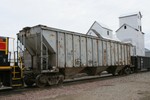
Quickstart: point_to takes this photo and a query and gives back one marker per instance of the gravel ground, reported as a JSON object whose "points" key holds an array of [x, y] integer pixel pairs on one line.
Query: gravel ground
{"points": [[132, 87]]}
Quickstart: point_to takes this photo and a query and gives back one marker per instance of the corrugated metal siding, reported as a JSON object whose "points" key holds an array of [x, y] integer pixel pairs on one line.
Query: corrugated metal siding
{"points": [[89, 51], [128, 54], [95, 53], [112, 54], [69, 50], [83, 52], [125, 55], [61, 50], [100, 52], [108, 54], [104, 53], [116, 54], [76, 51]]}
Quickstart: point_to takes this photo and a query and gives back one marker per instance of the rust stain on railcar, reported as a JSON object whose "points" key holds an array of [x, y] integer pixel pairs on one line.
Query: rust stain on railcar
{"points": [[90, 62], [52, 35], [59, 45], [77, 61], [105, 56], [120, 63]]}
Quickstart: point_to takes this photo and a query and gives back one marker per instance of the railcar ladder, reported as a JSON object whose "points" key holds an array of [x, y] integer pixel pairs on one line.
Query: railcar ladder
{"points": [[17, 74]]}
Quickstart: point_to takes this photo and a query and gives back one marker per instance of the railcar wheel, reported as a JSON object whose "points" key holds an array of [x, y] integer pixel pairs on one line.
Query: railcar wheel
{"points": [[127, 70], [28, 79], [53, 80], [120, 72], [0, 83], [41, 80], [50, 80], [114, 73], [61, 79]]}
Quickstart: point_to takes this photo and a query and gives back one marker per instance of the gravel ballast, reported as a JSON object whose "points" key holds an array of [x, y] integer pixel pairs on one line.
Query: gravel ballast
{"points": [[132, 87]]}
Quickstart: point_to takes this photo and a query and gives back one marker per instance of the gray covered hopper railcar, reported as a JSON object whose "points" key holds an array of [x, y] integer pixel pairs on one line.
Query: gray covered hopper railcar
{"points": [[57, 54]]}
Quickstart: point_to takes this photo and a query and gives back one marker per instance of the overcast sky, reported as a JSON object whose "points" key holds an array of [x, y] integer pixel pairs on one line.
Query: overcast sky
{"points": [[73, 15]]}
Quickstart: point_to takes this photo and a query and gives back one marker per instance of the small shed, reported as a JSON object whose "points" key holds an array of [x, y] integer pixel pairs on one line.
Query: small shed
{"points": [[147, 52]]}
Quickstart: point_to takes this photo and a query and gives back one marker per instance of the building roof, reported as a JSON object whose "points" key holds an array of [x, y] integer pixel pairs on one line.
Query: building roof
{"points": [[131, 14], [102, 25], [126, 25], [129, 26], [147, 50]]}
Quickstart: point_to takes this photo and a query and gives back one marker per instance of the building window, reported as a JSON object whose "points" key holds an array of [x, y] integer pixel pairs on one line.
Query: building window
{"points": [[140, 28], [107, 32], [125, 27]]}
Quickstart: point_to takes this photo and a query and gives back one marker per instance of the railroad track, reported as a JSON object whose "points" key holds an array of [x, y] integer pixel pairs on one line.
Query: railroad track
{"points": [[95, 78], [7, 91]]}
